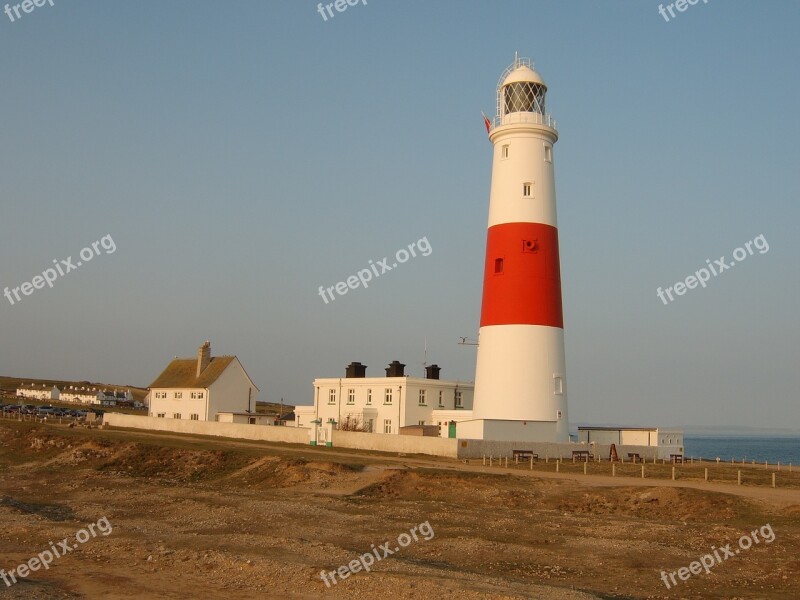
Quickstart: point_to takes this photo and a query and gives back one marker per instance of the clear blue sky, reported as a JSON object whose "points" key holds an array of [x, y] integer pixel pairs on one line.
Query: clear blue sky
{"points": [[242, 154]]}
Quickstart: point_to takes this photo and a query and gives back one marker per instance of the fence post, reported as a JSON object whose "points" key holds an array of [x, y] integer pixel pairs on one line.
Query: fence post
{"points": [[765, 465], [490, 460], [516, 458], [506, 462], [585, 465], [773, 479], [706, 475], [673, 473], [557, 461], [531, 462], [484, 460], [613, 469], [642, 470], [738, 478]]}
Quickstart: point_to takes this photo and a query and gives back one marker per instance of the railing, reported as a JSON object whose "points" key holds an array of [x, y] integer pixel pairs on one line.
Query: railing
{"points": [[525, 117]]}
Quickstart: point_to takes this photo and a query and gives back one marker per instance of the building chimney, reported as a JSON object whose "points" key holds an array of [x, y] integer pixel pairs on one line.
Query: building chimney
{"points": [[432, 372], [355, 370], [203, 357], [395, 369]]}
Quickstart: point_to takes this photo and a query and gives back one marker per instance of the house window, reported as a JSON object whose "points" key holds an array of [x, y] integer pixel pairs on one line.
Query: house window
{"points": [[387, 426], [197, 395], [194, 417], [527, 189], [422, 397], [331, 396], [351, 396], [369, 396], [458, 398], [387, 396], [251, 420], [548, 153], [498, 266], [422, 422], [161, 415], [368, 425], [178, 395], [441, 403], [558, 414], [159, 395], [505, 151], [558, 385], [176, 415]]}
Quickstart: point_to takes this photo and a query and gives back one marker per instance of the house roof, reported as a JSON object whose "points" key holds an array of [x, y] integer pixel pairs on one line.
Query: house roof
{"points": [[182, 373]]}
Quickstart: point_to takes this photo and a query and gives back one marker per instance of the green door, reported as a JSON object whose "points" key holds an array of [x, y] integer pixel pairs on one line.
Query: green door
{"points": [[451, 430]]}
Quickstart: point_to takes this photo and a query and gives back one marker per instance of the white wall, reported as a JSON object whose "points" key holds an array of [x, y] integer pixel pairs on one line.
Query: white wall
{"points": [[230, 392], [185, 405], [488, 429], [291, 435]]}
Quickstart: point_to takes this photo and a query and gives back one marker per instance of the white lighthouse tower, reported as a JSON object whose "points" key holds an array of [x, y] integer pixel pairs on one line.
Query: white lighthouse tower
{"points": [[520, 379]]}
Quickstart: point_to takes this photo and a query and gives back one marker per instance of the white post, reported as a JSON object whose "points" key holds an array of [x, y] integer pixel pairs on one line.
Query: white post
{"points": [[613, 469], [706, 475]]}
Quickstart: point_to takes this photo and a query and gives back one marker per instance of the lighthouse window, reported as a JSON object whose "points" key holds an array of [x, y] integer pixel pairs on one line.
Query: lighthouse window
{"points": [[548, 153], [505, 151], [498, 265], [527, 189], [558, 385]]}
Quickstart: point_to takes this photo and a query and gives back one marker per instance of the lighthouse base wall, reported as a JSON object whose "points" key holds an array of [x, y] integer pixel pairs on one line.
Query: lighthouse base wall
{"points": [[513, 431]]}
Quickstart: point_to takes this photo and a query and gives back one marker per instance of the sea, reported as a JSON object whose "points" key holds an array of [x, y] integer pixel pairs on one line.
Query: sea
{"points": [[783, 449]]}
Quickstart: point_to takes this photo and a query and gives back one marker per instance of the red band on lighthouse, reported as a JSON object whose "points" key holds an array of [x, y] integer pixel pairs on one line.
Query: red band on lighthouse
{"points": [[522, 277]]}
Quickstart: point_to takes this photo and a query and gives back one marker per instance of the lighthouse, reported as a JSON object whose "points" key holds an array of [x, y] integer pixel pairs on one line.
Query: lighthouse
{"points": [[520, 378]]}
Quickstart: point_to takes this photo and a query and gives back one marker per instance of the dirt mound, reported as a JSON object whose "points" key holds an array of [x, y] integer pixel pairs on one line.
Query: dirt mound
{"points": [[274, 472], [139, 460], [663, 503], [469, 488]]}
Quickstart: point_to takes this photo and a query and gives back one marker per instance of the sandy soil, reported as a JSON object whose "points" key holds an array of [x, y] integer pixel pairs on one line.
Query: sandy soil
{"points": [[200, 518]]}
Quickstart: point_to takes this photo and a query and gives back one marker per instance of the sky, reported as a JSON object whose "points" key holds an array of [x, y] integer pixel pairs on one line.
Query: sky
{"points": [[237, 156]]}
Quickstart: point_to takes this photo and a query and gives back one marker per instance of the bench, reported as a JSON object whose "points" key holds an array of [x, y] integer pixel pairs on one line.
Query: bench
{"points": [[634, 457], [524, 455], [582, 455], [676, 458]]}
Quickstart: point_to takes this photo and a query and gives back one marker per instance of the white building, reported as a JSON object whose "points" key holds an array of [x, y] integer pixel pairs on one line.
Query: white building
{"points": [[82, 395], [199, 389], [39, 392], [668, 441], [246, 418], [385, 404]]}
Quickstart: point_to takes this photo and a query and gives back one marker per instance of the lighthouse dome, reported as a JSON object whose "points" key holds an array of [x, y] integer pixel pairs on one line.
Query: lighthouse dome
{"points": [[523, 73]]}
